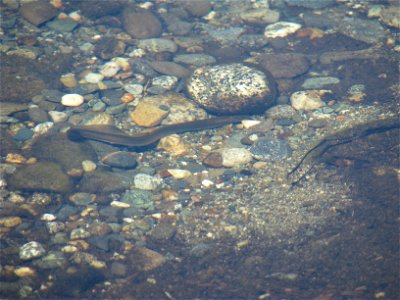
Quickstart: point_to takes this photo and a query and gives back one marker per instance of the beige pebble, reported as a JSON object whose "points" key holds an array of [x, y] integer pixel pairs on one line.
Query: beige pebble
{"points": [[173, 144], [179, 173], [119, 204], [72, 100], [10, 222], [88, 166], [307, 100], [110, 69], [24, 272], [250, 123], [94, 77], [148, 115], [69, 80]]}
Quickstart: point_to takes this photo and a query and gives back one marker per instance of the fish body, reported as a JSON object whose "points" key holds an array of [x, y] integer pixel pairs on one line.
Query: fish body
{"points": [[113, 135]]}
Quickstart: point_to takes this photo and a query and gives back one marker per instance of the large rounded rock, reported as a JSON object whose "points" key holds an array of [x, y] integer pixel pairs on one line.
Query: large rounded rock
{"points": [[42, 176], [232, 89], [141, 25]]}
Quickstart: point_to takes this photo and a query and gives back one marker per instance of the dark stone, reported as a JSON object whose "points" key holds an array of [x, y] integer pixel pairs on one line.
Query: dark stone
{"points": [[141, 25], [120, 159], [37, 115], [213, 159], [42, 176], [23, 134], [7, 143], [109, 47], [58, 148], [95, 9], [67, 211], [286, 65], [104, 182], [196, 8], [270, 148], [170, 68], [38, 12]]}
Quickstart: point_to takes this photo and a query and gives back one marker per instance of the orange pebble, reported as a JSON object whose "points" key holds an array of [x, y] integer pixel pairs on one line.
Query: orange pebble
{"points": [[126, 98], [340, 119]]}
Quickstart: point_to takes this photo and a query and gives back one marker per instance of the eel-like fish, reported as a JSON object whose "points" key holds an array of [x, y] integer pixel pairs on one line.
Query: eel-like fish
{"points": [[113, 135]]}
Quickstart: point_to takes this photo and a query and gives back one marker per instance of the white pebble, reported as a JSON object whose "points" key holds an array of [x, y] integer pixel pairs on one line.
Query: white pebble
{"points": [[207, 183], [250, 123], [58, 116], [281, 29], [48, 217], [93, 77], [232, 157], [72, 100], [88, 166], [307, 100], [179, 173], [119, 204], [134, 88], [147, 182], [110, 69]]}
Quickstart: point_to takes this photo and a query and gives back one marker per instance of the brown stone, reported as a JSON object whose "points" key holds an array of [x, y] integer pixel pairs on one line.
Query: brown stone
{"points": [[213, 159], [38, 12], [148, 115], [286, 65], [141, 25], [197, 8]]}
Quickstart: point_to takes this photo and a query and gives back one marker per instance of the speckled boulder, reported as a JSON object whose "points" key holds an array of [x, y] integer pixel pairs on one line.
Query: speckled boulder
{"points": [[232, 89]]}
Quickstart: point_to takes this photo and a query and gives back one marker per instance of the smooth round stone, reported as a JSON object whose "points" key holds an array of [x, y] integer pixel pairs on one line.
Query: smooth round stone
{"points": [[79, 233], [48, 217], [270, 148], [147, 182], [24, 272], [158, 45], [141, 25], [120, 159], [110, 69], [82, 198], [88, 166], [68, 80], [72, 100], [165, 81], [231, 88], [134, 88], [307, 100], [94, 77], [58, 116], [31, 250], [66, 25], [281, 29], [54, 259], [233, 157], [260, 16], [23, 134]]}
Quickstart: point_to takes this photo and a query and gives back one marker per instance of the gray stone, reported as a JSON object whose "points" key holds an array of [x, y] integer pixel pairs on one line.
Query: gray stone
{"points": [[31, 250], [54, 259], [269, 148], [66, 25], [198, 60], [141, 25]]}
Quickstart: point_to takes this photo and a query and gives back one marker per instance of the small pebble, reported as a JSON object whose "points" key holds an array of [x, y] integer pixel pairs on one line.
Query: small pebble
{"points": [[119, 204], [88, 166], [281, 29], [48, 217], [179, 173], [307, 100], [233, 157], [79, 233], [110, 69], [31, 250], [147, 182], [69, 80], [24, 272], [58, 116], [94, 77], [72, 100]]}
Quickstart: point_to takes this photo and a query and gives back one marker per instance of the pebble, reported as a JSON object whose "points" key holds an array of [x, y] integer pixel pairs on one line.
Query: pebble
{"points": [[79, 233], [110, 69], [284, 65], [31, 250], [316, 4], [197, 60], [10, 222], [69, 80], [138, 200], [58, 116], [148, 115], [157, 45], [66, 25], [147, 182], [170, 68], [72, 100], [119, 204], [24, 272], [260, 16], [281, 29], [37, 115], [54, 227], [134, 88], [82, 198], [88, 166], [173, 144], [198, 8], [234, 157], [38, 12], [319, 82], [165, 81], [118, 269], [120, 159], [93, 77], [307, 100], [270, 148], [179, 173], [48, 217], [54, 259], [231, 88], [23, 134], [147, 259], [141, 25]]}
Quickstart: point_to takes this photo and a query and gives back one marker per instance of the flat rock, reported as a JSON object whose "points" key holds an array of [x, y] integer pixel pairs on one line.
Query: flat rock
{"points": [[148, 115], [170, 68], [38, 12], [42, 176], [141, 25], [99, 182], [286, 65]]}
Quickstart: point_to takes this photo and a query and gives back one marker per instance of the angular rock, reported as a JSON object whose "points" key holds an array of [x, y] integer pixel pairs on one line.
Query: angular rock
{"points": [[38, 12]]}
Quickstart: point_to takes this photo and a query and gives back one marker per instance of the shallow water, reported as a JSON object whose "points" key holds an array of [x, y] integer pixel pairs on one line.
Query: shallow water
{"points": [[306, 207]]}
